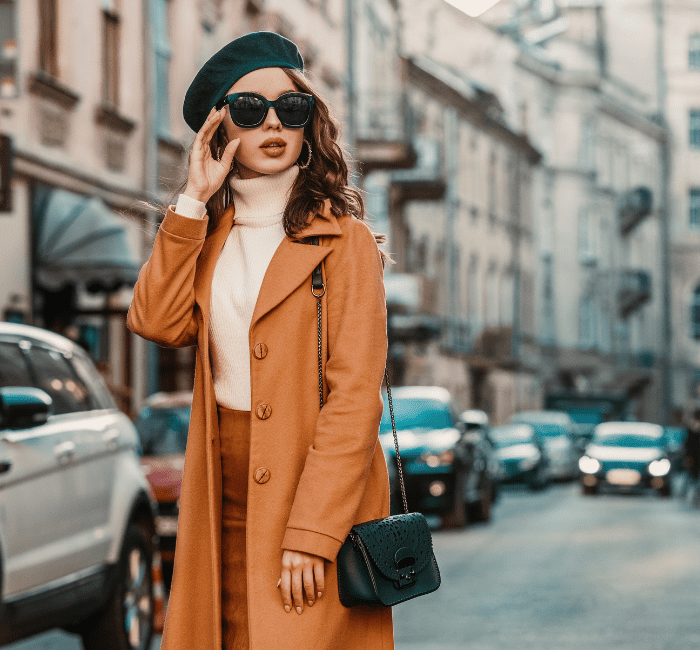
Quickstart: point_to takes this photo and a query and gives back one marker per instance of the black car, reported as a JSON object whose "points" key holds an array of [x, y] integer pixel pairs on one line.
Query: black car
{"points": [[522, 455], [444, 471], [626, 456]]}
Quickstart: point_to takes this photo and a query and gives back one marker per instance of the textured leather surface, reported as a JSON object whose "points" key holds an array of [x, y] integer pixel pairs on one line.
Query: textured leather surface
{"points": [[383, 537], [360, 579]]}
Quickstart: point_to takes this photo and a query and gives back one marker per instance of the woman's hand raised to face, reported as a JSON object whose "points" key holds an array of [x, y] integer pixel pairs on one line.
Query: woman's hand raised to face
{"points": [[206, 174], [302, 579]]}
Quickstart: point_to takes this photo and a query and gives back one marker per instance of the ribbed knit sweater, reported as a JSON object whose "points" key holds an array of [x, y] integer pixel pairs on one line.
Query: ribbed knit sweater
{"points": [[238, 276]]}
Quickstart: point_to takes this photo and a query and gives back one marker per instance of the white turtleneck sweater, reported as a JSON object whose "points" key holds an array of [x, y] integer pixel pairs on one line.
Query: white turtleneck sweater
{"points": [[238, 276]]}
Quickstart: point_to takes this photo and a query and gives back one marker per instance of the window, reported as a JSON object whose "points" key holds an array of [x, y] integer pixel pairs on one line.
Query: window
{"points": [[100, 396], [547, 301], [695, 314], [587, 240], [48, 37], [110, 58], [161, 45], [473, 298], [695, 128], [588, 335], [8, 49], [694, 206], [694, 51], [13, 366], [54, 374], [492, 298]]}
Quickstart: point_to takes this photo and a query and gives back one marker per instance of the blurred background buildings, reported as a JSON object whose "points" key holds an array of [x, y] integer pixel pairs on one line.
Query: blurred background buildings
{"points": [[522, 163]]}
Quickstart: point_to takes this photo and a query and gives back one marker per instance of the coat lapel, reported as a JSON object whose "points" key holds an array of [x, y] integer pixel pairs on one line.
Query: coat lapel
{"points": [[293, 262], [206, 263]]}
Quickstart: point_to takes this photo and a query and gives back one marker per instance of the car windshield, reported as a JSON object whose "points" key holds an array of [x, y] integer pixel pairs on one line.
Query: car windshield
{"points": [[510, 434], [163, 431], [416, 413], [627, 440]]}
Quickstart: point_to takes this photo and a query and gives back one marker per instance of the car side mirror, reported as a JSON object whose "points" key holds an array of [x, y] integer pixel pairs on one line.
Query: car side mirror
{"points": [[24, 407]]}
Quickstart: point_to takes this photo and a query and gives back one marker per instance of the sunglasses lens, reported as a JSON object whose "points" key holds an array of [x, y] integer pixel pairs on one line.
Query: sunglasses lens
{"points": [[293, 110], [247, 111]]}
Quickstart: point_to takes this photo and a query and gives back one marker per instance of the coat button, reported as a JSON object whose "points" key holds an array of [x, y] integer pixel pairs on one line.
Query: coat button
{"points": [[263, 411], [260, 351], [262, 475]]}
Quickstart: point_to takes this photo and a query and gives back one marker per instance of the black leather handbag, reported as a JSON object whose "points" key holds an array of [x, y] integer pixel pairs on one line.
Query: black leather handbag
{"points": [[383, 561]]}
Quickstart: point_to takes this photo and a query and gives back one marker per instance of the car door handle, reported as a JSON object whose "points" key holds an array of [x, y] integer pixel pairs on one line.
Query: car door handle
{"points": [[5, 466], [64, 451]]}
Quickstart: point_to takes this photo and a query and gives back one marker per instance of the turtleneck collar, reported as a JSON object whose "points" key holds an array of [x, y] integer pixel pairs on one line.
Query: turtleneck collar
{"points": [[261, 201]]}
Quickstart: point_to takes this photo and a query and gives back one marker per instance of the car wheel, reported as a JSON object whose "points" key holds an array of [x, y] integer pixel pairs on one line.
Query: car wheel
{"points": [[457, 517], [589, 490], [665, 490], [126, 623], [480, 511]]}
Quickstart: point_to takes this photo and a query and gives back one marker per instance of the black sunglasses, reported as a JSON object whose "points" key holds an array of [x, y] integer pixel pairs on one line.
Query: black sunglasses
{"points": [[249, 110]]}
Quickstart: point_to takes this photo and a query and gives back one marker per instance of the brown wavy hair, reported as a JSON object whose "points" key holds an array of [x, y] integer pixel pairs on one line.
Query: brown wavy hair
{"points": [[326, 177]]}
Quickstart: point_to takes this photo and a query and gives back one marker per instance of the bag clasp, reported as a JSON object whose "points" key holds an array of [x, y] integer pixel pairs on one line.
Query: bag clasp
{"points": [[405, 561]]}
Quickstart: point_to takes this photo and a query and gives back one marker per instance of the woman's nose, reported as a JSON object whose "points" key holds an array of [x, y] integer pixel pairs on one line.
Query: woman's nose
{"points": [[271, 120]]}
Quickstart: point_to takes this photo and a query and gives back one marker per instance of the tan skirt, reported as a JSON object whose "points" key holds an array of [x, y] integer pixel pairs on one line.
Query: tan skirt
{"points": [[234, 428]]}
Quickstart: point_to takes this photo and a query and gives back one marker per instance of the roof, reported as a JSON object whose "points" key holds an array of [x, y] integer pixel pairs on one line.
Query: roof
{"points": [[633, 428], [422, 392], [38, 334]]}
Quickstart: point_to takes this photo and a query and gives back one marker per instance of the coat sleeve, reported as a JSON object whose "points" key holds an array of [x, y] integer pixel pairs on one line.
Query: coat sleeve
{"points": [[162, 309], [338, 463]]}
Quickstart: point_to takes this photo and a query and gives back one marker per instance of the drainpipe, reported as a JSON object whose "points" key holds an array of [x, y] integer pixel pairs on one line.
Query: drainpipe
{"points": [[664, 221]]}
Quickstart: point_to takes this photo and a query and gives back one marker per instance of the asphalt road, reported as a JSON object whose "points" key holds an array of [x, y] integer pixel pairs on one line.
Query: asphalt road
{"points": [[560, 571], [553, 571]]}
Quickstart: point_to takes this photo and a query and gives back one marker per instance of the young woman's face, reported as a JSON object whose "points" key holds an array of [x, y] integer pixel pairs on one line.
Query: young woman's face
{"points": [[269, 148]]}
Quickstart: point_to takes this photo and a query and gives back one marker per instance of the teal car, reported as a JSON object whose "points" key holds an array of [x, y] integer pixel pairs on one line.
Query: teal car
{"points": [[444, 472]]}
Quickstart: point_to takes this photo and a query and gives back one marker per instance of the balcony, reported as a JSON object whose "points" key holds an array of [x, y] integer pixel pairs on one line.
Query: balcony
{"points": [[635, 206], [425, 181], [495, 343], [381, 138], [634, 291]]}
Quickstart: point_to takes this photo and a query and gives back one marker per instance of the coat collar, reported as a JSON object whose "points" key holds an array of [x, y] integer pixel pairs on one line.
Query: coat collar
{"points": [[291, 264]]}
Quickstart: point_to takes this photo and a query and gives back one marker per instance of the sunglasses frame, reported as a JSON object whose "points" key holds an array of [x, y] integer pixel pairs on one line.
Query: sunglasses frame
{"points": [[228, 99]]}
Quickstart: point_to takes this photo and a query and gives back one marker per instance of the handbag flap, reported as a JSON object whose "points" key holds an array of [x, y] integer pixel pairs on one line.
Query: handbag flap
{"points": [[394, 540]]}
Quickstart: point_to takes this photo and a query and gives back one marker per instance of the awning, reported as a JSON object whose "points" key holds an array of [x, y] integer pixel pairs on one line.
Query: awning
{"points": [[80, 240]]}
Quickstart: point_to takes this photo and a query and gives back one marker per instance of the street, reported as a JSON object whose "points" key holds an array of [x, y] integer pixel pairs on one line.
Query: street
{"points": [[554, 570], [559, 571]]}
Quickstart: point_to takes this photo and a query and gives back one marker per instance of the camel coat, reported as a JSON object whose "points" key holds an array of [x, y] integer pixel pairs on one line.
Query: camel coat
{"points": [[325, 470]]}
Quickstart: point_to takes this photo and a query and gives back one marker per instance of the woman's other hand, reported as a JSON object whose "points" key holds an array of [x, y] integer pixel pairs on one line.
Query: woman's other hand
{"points": [[302, 579], [206, 174]]}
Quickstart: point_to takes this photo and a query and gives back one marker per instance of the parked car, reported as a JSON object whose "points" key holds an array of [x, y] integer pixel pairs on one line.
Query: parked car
{"points": [[625, 456], [77, 529], [162, 425], [522, 455], [556, 431], [475, 424], [443, 472]]}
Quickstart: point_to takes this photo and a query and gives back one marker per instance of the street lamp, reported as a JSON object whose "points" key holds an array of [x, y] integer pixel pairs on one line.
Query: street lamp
{"points": [[473, 7]]}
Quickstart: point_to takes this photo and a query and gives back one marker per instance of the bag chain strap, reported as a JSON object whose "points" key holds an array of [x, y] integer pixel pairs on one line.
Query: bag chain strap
{"points": [[318, 289]]}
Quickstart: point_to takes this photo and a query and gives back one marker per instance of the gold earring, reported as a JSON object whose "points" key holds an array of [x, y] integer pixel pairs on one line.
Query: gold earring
{"points": [[308, 160]]}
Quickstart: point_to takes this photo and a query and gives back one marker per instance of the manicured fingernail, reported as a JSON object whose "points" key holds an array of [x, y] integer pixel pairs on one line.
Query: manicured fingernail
{"points": [[280, 582], [287, 609], [311, 602], [320, 594], [298, 610]]}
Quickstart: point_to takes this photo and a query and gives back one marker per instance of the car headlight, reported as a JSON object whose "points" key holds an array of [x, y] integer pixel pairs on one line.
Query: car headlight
{"points": [[588, 465], [438, 460], [660, 467]]}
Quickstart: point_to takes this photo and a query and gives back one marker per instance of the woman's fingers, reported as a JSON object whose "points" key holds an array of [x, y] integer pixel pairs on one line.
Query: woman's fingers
{"points": [[286, 589], [229, 153], [210, 125], [308, 579], [320, 575], [297, 592]]}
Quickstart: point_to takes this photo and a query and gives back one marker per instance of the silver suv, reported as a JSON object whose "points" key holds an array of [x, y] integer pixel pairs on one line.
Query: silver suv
{"points": [[77, 532]]}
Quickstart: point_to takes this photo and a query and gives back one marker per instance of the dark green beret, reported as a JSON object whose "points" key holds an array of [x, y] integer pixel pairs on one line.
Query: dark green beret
{"points": [[247, 53]]}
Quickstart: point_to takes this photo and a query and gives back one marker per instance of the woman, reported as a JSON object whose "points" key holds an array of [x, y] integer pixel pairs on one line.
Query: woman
{"points": [[272, 484]]}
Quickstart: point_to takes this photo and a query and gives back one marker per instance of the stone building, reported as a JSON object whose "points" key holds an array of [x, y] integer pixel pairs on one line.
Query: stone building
{"points": [[91, 100], [597, 306]]}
